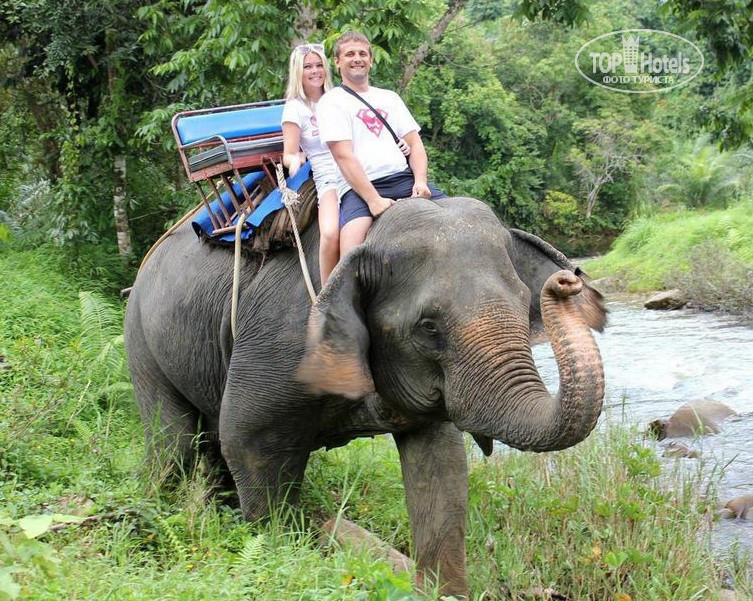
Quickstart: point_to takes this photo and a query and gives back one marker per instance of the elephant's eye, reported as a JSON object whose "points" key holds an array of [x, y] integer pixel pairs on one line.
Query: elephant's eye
{"points": [[429, 326], [428, 334]]}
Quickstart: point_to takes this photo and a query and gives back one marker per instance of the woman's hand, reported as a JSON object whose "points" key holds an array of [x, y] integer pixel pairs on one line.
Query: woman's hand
{"points": [[293, 162], [403, 146]]}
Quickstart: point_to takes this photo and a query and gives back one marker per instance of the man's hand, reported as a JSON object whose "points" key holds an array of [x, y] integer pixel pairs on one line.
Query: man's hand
{"points": [[421, 189], [403, 146], [380, 205]]}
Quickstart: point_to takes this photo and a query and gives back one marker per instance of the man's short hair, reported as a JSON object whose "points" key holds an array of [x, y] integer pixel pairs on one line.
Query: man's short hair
{"points": [[351, 36]]}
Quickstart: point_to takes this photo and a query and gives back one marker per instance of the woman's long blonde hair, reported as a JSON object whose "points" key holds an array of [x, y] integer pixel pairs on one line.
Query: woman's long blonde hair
{"points": [[295, 72]]}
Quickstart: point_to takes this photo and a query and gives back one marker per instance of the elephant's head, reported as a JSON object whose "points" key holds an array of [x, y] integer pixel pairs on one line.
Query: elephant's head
{"points": [[433, 313]]}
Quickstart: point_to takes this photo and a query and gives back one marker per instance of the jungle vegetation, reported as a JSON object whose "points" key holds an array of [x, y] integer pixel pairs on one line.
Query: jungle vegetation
{"points": [[87, 90]]}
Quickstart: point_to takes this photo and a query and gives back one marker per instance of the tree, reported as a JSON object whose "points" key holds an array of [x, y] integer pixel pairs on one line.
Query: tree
{"points": [[703, 177], [85, 57], [610, 149], [223, 51], [726, 28], [436, 33]]}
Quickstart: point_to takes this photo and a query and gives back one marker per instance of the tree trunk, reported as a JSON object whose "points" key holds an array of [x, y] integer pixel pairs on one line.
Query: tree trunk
{"points": [[120, 208], [46, 123], [305, 21], [119, 200], [437, 31]]}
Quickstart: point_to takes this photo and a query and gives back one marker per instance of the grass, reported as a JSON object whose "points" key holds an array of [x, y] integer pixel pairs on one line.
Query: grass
{"points": [[658, 251], [601, 521]]}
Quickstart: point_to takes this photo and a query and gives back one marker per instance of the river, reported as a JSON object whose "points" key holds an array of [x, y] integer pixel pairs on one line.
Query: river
{"points": [[654, 361]]}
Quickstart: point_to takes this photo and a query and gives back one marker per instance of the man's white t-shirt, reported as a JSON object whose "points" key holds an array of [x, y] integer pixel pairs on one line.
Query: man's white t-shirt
{"points": [[343, 117], [322, 164]]}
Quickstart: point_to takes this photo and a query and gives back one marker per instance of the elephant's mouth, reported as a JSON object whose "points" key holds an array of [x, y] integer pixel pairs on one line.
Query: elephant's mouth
{"points": [[485, 443], [436, 396]]}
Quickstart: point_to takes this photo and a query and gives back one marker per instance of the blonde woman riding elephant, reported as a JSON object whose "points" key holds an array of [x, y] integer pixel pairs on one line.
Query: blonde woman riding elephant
{"points": [[423, 331]]}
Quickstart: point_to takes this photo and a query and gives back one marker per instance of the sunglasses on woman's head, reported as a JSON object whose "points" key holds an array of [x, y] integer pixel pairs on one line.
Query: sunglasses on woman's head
{"points": [[306, 48]]}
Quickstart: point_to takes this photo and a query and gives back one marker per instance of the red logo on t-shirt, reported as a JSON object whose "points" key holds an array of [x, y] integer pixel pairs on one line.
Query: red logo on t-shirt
{"points": [[314, 128], [374, 125]]}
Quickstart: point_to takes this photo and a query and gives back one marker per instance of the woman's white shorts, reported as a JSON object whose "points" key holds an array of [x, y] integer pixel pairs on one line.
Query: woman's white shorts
{"points": [[325, 178]]}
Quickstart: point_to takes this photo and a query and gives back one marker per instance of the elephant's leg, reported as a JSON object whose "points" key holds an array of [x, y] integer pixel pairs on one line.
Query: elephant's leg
{"points": [[267, 466], [170, 420], [219, 473], [170, 423], [435, 474]]}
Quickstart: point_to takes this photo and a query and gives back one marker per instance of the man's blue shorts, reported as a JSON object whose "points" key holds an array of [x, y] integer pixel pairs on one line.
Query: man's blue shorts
{"points": [[397, 185]]}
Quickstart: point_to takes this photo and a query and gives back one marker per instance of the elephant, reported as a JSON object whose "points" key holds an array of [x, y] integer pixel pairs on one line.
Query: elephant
{"points": [[423, 331], [694, 418]]}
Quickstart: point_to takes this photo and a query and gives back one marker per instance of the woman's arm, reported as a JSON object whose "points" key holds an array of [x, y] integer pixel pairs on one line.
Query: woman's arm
{"points": [[292, 157]]}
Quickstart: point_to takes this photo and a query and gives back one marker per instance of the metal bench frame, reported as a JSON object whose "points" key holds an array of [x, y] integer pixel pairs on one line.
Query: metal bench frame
{"points": [[227, 159]]}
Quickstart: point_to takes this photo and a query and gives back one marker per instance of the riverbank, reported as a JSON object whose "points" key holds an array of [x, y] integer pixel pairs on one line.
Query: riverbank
{"points": [[599, 521], [708, 256]]}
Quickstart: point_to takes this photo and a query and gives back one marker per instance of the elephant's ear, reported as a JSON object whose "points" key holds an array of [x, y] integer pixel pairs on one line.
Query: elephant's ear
{"points": [[337, 342], [534, 261]]}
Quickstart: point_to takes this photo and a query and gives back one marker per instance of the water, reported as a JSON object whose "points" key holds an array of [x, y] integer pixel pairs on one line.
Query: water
{"points": [[654, 361]]}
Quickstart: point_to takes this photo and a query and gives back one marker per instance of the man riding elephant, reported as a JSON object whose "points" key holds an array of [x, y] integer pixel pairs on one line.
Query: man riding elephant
{"points": [[364, 128], [423, 331]]}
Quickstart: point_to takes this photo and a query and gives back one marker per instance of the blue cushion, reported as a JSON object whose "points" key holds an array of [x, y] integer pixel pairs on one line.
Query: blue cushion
{"points": [[231, 124], [202, 225]]}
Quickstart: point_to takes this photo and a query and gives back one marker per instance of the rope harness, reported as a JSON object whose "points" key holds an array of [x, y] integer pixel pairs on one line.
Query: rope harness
{"points": [[290, 200]]}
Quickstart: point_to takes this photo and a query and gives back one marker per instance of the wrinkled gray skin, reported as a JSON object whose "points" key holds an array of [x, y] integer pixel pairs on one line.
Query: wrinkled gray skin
{"points": [[423, 331]]}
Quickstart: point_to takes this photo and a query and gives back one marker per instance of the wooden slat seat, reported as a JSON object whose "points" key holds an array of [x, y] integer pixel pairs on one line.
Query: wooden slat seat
{"points": [[216, 140], [220, 146], [238, 154]]}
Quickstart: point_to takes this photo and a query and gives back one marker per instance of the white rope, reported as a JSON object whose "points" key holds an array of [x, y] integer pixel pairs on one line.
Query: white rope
{"points": [[237, 272], [290, 200]]}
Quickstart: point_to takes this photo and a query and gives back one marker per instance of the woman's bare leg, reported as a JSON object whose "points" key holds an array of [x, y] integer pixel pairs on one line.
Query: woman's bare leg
{"points": [[329, 234]]}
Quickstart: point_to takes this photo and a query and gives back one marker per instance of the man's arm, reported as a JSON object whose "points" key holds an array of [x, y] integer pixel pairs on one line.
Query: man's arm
{"points": [[352, 170], [419, 164]]}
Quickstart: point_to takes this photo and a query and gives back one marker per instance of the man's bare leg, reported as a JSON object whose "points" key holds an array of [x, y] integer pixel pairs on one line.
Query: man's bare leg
{"points": [[354, 233]]}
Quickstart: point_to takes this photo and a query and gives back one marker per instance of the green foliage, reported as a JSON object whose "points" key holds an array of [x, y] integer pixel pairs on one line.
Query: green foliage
{"points": [[725, 24], [482, 142], [702, 177], [22, 556], [566, 12], [562, 219], [561, 211], [653, 250], [64, 453], [79, 81], [217, 52], [716, 280], [102, 339], [511, 129], [589, 523]]}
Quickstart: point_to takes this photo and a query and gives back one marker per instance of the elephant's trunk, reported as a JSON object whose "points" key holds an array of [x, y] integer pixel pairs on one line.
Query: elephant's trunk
{"points": [[509, 402]]}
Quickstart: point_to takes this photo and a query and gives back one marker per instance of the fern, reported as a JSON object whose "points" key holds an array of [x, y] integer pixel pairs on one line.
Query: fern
{"points": [[83, 430], [252, 554], [172, 539], [102, 339]]}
